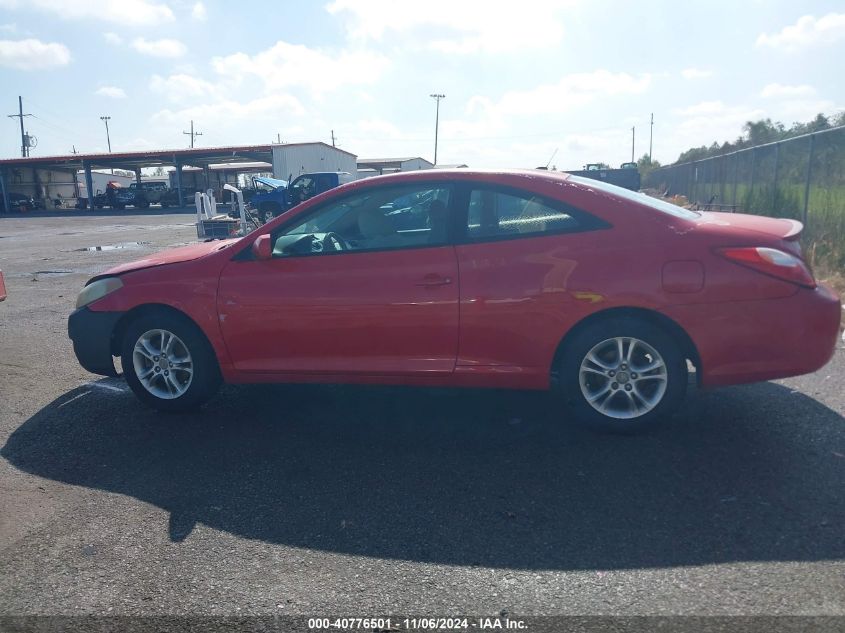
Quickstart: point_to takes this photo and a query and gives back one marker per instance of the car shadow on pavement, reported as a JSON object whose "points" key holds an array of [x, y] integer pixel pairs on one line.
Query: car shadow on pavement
{"points": [[460, 477]]}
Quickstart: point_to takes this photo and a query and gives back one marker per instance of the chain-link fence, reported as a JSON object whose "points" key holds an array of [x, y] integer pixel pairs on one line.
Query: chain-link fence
{"points": [[801, 178]]}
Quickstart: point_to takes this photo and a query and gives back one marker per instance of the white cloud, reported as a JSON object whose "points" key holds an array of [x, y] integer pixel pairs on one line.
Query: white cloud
{"points": [[803, 110], [808, 30], [709, 108], [285, 65], [696, 73], [31, 54], [139, 143], [475, 25], [230, 115], [112, 92], [575, 90], [705, 122], [184, 87], [199, 12], [159, 48], [113, 38], [125, 12], [776, 90]]}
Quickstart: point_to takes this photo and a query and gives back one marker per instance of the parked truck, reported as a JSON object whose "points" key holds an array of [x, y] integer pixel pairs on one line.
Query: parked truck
{"points": [[273, 197], [627, 176], [140, 196]]}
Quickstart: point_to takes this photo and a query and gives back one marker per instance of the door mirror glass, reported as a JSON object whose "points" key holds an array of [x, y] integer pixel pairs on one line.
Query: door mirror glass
{"points": [[262, 248]]}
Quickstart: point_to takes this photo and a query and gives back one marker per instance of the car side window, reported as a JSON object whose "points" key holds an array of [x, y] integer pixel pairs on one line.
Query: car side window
{"points": [[495, 214], [412, 216], [324, 183]]}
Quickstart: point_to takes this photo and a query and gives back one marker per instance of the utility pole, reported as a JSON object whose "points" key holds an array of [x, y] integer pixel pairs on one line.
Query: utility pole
{"points": [[650, 137], [106, 119], [633, 134], [192, 134], [20, 115], [279, 138], [437, 97], [333, 139]]}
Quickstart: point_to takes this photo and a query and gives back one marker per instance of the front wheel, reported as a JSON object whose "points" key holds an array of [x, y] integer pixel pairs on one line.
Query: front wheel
{"points": [[623, 375], [168, 362]]}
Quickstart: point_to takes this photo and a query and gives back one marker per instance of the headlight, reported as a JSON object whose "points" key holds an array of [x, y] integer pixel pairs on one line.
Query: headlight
{"points": [[98, 290]]}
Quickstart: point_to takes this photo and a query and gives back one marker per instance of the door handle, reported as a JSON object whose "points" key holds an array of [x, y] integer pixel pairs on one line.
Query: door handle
{"points": [[432, 280]]}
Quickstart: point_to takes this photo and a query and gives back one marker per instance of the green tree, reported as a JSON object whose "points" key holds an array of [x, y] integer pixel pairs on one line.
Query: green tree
{"points": [[646, 165]]}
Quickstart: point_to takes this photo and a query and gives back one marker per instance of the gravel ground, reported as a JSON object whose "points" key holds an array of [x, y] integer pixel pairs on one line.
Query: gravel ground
{"points": [[351, 500]]}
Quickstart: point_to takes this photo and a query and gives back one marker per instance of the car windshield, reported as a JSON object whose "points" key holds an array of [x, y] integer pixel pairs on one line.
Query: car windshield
{"points": [[640, 198]]}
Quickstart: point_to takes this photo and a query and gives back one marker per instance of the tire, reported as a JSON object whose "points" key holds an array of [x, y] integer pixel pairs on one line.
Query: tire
{"points": [[119, 207], [142, 204], [184, 388], [623, 400]]}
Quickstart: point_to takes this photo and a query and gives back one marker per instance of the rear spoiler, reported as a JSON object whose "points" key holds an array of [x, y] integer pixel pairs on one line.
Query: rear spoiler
{"points": [[794, 233]]}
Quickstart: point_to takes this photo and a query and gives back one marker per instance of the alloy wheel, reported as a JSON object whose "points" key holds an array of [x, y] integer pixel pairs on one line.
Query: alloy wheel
{"points": [[623, 377], [163, 364]]}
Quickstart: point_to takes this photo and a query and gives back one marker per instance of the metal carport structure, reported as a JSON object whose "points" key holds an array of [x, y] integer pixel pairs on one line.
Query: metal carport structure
{"points": [[133, 161]]}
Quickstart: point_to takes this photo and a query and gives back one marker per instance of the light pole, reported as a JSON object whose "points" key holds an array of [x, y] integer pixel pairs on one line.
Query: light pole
{"points": [[633, 136], [105, 119], [437, 97], [650, 137]]}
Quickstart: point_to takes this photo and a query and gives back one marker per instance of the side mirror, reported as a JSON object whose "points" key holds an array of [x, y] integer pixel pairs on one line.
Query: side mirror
{"points": [[262, 247]]}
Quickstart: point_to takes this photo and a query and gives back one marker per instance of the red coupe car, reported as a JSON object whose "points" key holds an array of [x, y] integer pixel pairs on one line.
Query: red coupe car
{"points": [[507, 279]]}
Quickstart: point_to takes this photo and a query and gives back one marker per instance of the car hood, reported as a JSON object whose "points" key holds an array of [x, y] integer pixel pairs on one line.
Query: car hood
{"points": [[171, 256]]}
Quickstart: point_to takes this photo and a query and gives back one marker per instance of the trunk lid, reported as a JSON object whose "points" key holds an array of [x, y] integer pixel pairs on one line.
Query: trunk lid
{"points": [[779, 232]]}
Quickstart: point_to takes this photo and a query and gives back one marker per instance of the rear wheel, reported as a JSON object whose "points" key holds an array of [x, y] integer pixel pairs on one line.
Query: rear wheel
{"points": [[623, 375], [168, 362]]}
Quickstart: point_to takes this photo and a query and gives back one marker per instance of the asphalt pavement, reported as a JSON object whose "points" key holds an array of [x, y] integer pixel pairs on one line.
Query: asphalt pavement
{"points": [[329, 500]]}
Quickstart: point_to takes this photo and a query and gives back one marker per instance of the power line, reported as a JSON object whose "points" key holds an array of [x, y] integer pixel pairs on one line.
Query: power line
{"points": [[55, 129]]}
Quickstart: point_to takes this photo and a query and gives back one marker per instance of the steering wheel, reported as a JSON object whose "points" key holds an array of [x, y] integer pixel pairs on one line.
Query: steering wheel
{"points": [[334, 242]]}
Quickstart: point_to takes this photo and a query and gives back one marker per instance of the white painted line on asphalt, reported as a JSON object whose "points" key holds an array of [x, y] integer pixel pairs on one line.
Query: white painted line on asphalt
{"points": [[77, 397], [102, 386]]}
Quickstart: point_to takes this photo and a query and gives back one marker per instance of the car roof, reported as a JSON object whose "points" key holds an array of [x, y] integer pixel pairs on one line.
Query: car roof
{"points": [[470, 174]]}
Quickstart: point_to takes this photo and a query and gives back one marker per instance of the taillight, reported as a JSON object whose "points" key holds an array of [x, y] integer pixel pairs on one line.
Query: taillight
{"points": [[772, 261]]}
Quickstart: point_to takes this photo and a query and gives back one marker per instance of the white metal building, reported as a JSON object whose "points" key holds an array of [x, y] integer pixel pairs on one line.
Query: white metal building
{"points": [[377, 166], [292, 159]]}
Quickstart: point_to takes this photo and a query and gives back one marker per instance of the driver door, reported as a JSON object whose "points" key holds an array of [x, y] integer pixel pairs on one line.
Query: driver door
{"points": [[338, 300]]}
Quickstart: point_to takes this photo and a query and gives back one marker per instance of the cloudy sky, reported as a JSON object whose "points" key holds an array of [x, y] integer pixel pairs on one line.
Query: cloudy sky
{"points": [[521, 79]]}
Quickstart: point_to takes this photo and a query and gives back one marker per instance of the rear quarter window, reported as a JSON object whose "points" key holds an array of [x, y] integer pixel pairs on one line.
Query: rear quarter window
{"points": [[657, 204], [495, 213]]}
